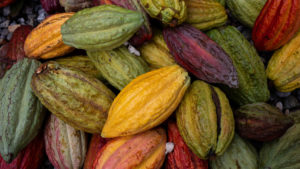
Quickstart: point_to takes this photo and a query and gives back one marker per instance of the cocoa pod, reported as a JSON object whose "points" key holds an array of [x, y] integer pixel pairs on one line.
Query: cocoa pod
{"points": [[261, 122], [239, 155], [205, 14], [222, 2], [181, 157], [150, 98], [205, 120], [96, 143], [72, 96], [295, 115], [3, 59], [21, 113], [4, 3], [276, 24], [144, 150], [75, 5], [145, 32], [118, 66], [65, 146], [283, 67], [201, 56], [102, 27], [51, 6]]}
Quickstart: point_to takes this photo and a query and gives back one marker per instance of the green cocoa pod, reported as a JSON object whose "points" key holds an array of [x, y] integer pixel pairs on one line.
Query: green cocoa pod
{"points": [[239, 155], [79, 100], [282, 153], [82, 63], [21, 113], [245, 11], [205, 120], [118, 66], [102, 27], [205, 14], [251, 72]]}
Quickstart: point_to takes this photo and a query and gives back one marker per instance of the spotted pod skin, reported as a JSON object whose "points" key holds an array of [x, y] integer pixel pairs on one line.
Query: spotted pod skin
{"points": [[51, 6], [102, 27], [21, 113], [146, 102], [65, 146], [45, 40], [96, 143], [170, 12], [200, 55], [118, 66], [276, 24], [72, 96], [181, 157], [143, 150], [75, 5], [205, 120], [239, 155]]}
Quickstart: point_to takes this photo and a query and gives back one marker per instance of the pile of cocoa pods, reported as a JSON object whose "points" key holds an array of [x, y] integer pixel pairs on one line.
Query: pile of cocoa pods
{"points": [[150, 84]]}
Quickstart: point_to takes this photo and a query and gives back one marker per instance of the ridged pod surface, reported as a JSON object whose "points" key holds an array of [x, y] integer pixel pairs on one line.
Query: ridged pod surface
{"points": [[65, 146], [239, 155], [222, 2], [245, 11], [276, 24], [284, 66], [261, 122], [156, 52], [205, 120], [96, 143], [144, 150], [205, 14], [21, 113], [200, 55], [102, 27], [45, 40], [3, 59], [170, 12], [118, 66], [75, 5], [145, 32], [51, 6], [80, 100], [250, 68], [282, 153], [146, 101], [181, 157]]}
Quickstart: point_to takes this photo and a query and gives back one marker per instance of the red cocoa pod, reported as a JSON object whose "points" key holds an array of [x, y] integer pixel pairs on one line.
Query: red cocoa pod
{"points": [[97, 142], [200, 55], [276, 24], [4, 3], [3, 60], [30, 157], [181, 157], [145, 32], [52, 6]]}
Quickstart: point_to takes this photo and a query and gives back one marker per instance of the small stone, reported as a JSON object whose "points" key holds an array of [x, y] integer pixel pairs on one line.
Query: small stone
{"points": [[283, 94], [4, 24], [291, 102], [279, 106], [31, 19], [41, 17], [28, 10], [4, 32], [21, 20], [2, 19], [12, 28], [133, 50], [6, 11], [169, 147]]}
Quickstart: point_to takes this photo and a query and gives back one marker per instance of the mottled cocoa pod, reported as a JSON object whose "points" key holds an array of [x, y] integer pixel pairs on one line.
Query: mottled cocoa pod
{"points": [[201, 56], [181, 157], [51, 6], [261, 122], [96, 143], [75, 5]]}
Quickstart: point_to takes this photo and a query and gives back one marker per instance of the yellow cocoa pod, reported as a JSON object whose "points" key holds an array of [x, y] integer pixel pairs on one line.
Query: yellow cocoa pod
{"points": [[45, 41], [284, 66], [146, 101]]}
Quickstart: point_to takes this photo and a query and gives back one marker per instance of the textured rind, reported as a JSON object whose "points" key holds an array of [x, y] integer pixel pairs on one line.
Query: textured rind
{"points": [[45, 41], [205, 120], [201, 56], [80, 100], [96, 143], [146, 101], [21, 113], [30, 157], [156, 52], [252, 77], [75, 5], [144, 150], [82, 63], [3, 59], [145, 32], [245, 11], [181, 157], [239, 155], [51, 6], [261, 122], [282, 153], [170, 12], [4, 3], [276, 24], [102, 27], [284, 66], [118, 66], [205, 14], [222, 2], [65, 146]]}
